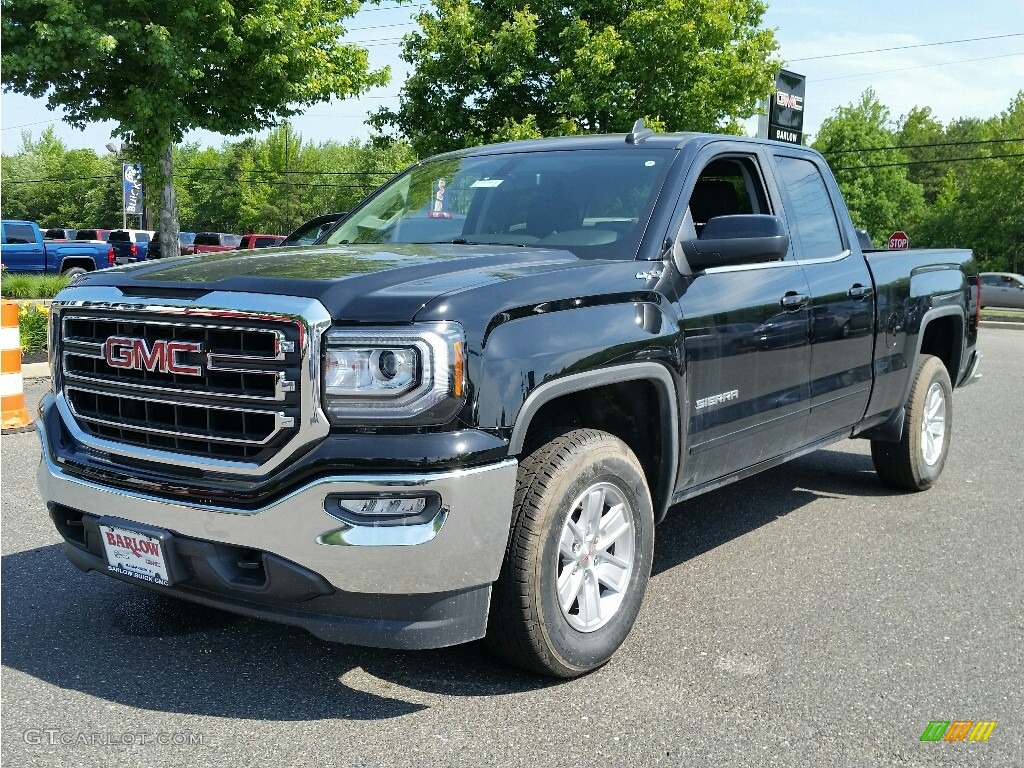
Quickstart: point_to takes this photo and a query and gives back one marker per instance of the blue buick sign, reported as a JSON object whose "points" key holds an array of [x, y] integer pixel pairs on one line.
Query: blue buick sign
{"points": [[132, 179]]}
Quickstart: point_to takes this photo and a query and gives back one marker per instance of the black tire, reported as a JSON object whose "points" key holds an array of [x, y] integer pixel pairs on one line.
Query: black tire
{"points": [[528, 625], [916, 461], [74, 271]]}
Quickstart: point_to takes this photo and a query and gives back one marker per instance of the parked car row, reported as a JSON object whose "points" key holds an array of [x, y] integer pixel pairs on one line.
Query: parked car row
{"points": [[212, 242], [63, 249]]}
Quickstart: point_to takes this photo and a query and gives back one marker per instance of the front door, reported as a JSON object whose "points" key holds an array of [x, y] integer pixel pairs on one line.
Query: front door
{"points": [[746, 331]]}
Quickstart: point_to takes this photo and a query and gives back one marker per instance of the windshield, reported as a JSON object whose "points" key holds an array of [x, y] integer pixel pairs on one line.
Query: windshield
{"points": [[595, 203]]}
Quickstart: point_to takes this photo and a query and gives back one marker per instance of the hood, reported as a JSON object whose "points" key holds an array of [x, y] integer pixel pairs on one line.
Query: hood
{"points": [[355, 283]]}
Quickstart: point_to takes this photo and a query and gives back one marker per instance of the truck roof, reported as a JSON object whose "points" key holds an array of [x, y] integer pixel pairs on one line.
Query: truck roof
{"points": [[614, 141]]}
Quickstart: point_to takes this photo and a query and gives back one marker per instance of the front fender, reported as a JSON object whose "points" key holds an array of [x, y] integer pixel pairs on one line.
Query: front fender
{"points": [[523, 354], [533, 361]]}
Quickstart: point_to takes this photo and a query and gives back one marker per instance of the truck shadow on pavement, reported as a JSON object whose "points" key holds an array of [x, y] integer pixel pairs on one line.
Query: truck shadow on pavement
{"points": [[701, 524], [128, 645]]}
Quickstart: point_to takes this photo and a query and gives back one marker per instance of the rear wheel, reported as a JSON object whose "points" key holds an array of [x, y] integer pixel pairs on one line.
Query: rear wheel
{"points": [[74, 271], [916, 461], [579, 556]]}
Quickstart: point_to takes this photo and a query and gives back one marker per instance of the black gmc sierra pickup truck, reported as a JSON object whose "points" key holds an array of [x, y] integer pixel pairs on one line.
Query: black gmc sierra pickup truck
{"points": [[462, 413]]}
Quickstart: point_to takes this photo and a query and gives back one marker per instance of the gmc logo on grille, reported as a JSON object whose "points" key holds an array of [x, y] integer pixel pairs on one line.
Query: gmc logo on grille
{"points": [[124, 352]]}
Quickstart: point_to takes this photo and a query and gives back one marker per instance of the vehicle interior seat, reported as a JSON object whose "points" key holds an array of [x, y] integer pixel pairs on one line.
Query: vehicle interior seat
{"points": [[710, 198]]}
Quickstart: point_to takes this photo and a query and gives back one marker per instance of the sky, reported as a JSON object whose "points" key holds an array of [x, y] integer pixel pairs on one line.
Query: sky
{"points": [[822, 40]]}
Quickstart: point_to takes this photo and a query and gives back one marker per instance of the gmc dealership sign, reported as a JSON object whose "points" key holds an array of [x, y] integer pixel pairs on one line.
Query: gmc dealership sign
{"points": [[786, 108]]}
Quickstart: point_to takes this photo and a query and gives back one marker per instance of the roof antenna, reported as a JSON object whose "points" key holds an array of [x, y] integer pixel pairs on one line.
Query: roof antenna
{"points": [[639, 133]]}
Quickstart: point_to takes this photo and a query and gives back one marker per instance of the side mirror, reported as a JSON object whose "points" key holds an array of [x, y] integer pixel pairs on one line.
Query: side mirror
{"points": [[739, 239]]}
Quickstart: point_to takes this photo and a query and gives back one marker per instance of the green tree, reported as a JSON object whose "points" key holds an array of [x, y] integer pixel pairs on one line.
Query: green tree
{"points": [[495, 69], [858, 140], [978, 204], [162, 69], [56, 186]]}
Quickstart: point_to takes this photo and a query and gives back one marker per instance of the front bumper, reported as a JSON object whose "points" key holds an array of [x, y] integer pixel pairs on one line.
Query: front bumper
{"points": [[421, 585]]}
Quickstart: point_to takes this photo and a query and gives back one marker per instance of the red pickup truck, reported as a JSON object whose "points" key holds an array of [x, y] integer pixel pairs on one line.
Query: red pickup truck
{"points": [[213, 242], [259, 241]]}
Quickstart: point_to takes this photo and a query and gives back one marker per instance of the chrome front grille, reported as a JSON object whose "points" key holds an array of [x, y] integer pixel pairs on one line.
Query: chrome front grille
{"points": [[244, 401], [213, 386]]}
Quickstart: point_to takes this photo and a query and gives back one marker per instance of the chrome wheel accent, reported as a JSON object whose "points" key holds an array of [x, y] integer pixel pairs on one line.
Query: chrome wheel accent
{"points": [[595, 557], [933, 424]]}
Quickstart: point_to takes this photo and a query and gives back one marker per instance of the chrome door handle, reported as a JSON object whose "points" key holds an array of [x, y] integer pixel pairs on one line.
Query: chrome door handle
{"points": [[793, 301], [858, 292]]}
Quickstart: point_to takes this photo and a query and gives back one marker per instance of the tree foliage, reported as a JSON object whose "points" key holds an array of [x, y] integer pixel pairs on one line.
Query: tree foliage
{"points": [[267, 185], [954, 185], [56, 186], [488, 70], [162, 69], [859, 141], [980, 205]]}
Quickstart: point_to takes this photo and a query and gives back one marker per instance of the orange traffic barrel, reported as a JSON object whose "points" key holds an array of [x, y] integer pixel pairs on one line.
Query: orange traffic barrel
{"points": [[12, 385]]}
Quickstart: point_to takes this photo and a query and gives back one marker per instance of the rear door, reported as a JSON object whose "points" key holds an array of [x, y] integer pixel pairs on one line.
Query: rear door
{"points": [[842, 304], [22, 248]]}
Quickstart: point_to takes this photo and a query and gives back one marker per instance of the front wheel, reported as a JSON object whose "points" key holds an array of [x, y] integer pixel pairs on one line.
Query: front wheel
{"points": [[579, 556], [916, 461]]}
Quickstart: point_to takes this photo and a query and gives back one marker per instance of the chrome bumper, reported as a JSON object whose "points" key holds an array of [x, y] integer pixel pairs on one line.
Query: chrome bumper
{"points": [[462, 546]]}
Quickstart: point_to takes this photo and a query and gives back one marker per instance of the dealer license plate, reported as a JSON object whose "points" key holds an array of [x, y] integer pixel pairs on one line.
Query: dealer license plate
{"points": [[130, 553]]}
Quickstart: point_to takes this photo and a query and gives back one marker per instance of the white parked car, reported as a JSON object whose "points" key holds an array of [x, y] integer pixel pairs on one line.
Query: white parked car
{"points": [[1002, 289]]}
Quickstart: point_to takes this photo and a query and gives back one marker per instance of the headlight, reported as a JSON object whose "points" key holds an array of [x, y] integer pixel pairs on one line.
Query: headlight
{"points": [[415, 375]]}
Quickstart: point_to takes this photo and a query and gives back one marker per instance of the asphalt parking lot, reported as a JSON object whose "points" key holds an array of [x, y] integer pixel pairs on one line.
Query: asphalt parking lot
{"points": [[804, 617]]}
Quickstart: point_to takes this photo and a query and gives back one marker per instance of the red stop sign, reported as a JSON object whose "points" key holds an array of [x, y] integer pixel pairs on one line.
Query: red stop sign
{"points": [[898, 241]]}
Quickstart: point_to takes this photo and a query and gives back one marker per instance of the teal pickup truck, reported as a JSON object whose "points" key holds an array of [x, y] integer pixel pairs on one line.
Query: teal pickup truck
{"points": [[23, 249]]}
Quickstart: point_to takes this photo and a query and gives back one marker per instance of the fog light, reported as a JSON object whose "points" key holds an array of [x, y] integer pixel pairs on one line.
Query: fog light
{"points": [[383, 507]]}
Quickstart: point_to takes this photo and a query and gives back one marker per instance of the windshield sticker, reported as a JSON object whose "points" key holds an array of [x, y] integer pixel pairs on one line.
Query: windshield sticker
{"points": [[486, 183], [437, 211]]}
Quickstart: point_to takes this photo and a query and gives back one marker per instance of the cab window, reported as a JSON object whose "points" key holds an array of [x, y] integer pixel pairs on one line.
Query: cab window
{"points": [[812, 219]]}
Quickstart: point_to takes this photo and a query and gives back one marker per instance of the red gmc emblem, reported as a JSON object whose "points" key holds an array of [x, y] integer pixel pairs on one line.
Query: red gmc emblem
{"points": [[124, 352]]}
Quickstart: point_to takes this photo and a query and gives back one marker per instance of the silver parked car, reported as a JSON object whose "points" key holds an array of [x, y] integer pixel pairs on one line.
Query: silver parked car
{"points": [[1002, 289]]}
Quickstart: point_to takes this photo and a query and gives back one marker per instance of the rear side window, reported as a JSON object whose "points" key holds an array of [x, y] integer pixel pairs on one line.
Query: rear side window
{"points": [[811, 216], [19, 234], [266, 242]]}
